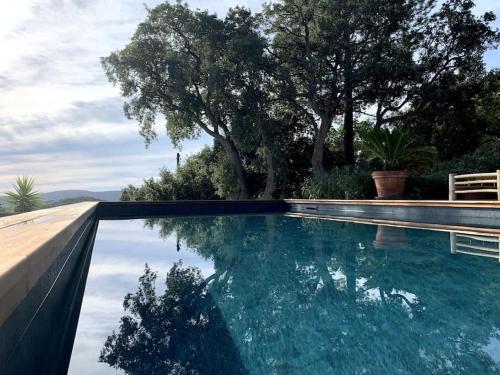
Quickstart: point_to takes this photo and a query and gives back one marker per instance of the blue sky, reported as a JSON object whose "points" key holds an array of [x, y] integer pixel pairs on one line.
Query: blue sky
{"points": [[60, 119]]}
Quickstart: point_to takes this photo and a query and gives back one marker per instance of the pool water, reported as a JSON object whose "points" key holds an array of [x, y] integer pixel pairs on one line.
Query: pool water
{"points": [[283, 295]]}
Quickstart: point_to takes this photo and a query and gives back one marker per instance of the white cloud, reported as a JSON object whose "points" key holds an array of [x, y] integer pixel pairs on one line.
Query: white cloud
{"points": [[50, 75], [487, 6]]}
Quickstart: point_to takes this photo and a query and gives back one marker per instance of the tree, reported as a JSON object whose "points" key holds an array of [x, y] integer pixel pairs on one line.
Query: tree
{"points": [[370, 31], [347, 56], [24, 198], [179, 332], [452, 112], [195, 70], [419, 63], [132, 193], [305, 45], [193, 178], [488, 104]]}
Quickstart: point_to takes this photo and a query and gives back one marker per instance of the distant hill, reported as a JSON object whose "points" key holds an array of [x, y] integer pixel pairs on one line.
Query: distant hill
{"points": [[53, 196]]}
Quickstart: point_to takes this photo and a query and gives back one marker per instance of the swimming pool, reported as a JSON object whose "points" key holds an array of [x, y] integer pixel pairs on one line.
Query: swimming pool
{"points": [[273, 294]]}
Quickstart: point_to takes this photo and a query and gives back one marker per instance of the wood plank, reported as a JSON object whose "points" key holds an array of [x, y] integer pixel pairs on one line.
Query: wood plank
{"points": [[477, 254], [460, 176], [476, 182], [483, 248], [476, 191], [480, 238], [29, 243], [399, 202]]}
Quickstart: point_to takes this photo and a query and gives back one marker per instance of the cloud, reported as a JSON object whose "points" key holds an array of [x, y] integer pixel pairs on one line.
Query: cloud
{"points": [[483, 6], [61, 121]]}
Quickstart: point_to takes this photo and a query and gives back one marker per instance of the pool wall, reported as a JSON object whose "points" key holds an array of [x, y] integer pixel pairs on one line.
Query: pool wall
{"points": [[484, 214], [130, 210]]}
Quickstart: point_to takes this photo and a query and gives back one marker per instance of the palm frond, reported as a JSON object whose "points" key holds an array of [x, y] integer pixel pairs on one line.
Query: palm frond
{"points": [[396, 149]]}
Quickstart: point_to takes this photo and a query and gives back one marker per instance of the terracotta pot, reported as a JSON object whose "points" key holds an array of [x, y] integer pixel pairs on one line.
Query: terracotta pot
{"points": [[390, 238], [390, 184]]}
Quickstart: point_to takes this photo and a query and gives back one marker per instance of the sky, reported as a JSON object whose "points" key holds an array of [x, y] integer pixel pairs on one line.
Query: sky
{"points": [[61, 121]]}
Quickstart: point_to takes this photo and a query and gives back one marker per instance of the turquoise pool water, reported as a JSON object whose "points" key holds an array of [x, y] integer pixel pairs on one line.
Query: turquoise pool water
{"points": [[282, 295]]}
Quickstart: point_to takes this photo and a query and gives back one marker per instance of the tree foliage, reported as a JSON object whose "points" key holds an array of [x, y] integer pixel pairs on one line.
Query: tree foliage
{"points": [[204, 175], [200, 73], [173, 333]]}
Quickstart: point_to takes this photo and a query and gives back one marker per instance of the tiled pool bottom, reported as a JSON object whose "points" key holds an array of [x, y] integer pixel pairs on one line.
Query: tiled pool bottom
{"points": [[280, 295]]}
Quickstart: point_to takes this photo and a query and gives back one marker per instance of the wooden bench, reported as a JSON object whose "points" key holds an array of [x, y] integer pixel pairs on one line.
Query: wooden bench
{"points": [[474, 183]]}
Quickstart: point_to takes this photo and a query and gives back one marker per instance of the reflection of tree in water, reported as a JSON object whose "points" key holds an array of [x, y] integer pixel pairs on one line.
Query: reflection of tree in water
{"points": [[303, 296], [179, 332]]}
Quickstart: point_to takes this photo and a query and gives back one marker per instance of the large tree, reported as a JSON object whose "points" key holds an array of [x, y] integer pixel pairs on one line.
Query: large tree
{"points": [[371, 31], [328, 50], [196, 71], [427, 57], [305, 45], [384, 58]]}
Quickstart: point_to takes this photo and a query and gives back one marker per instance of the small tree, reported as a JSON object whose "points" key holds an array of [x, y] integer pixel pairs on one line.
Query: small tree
{"points": [[24, 198]]}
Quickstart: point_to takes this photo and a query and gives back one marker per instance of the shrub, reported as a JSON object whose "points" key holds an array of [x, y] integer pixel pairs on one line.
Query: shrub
{"points": [[192, 180], [433, 183], [484, 159], [340, 183]]}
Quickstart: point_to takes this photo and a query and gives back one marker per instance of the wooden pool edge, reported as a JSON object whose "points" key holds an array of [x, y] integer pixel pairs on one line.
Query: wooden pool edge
{"points": [[29, 245]]}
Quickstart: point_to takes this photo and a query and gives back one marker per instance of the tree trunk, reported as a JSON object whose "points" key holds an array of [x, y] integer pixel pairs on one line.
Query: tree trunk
{"points": [[318, 168], [237, 165], [379, 117], [271, 178], [269, 145], [348, 111], [349, 131]]}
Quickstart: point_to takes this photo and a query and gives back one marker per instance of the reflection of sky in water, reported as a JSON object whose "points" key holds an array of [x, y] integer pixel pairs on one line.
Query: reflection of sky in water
{"points": [[121, 249]]}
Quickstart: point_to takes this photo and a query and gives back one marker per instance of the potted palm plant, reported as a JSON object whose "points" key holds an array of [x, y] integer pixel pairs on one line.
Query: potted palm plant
{"points": [[395, 152]]}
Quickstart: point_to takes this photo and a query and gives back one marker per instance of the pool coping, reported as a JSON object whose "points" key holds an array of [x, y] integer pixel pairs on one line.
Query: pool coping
{"points": [[30, 242]]}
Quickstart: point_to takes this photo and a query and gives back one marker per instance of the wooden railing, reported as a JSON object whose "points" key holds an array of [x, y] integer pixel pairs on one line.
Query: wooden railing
{"points": [[483, 246], [474, 183]]}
